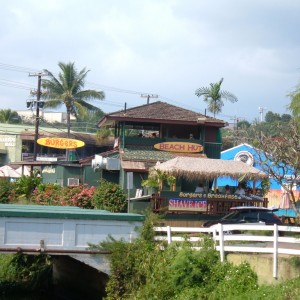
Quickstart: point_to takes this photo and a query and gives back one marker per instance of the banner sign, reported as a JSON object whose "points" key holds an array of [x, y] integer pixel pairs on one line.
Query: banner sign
{"points": [[187, 204], [179, 147], [60, 143]]}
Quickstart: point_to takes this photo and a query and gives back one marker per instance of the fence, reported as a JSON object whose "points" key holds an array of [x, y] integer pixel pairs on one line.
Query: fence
{"points": [[273, 239]]}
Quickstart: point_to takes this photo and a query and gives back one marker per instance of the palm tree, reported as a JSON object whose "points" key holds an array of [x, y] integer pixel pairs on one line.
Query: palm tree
{"points": [[67, 89], [213, 95], [9, 116]]}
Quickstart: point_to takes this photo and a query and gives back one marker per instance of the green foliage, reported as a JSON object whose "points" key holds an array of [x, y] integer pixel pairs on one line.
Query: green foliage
{"points": [[34, 271], [6, 188], [102, 134], [214, 96], [54, 194], [9, 116], [287, 290], [157, 178], [47, 194], [110, 196], [142, 270], [243, 124], [236, 280], [265, 186], [26, 184], [6, 272], [68, 89], [80, 196]]}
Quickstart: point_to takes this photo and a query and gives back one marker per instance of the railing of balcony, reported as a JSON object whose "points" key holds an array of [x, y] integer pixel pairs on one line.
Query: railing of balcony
{"points": [[212, 150]]}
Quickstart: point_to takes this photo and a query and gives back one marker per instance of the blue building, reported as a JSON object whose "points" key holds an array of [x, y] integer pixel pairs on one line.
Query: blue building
{"points": [[247, 154]]}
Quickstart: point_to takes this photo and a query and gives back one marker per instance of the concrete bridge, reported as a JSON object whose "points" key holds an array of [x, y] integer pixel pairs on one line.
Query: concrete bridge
{"points": [[58, 230]]}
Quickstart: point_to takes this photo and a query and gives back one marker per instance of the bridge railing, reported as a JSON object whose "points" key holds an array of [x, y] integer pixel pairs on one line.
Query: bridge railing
{"points": [[251, 238]]}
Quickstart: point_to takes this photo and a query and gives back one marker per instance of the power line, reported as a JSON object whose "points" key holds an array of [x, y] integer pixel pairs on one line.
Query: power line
{"points": [[15, 84], [102, 86], [16, 68]]}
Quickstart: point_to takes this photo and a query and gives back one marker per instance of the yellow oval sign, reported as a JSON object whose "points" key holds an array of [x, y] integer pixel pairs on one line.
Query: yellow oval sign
{"points": [[60, 143], [179, 147]]}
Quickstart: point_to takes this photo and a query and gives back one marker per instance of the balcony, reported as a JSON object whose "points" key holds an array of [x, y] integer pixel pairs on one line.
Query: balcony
{"points": [[212, 150]]}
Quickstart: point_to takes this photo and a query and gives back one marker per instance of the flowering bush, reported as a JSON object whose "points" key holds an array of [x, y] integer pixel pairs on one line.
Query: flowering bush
{"points": [[48, 194], [110, 196], [54, 194], [80, 196]]}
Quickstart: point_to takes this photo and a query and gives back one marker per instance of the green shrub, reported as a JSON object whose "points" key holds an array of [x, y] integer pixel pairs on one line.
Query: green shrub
{"points": [[25, 185], [21, 272], [80, 196], [48, 194], [142, 270], [110, 196], [6, 188], [54, 194]]}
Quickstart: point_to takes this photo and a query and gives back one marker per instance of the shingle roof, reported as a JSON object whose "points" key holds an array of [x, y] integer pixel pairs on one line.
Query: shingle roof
{"points": [[161, 112], [142, 160]]}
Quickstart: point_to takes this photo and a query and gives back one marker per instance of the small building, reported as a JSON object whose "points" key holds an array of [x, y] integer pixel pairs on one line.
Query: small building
{"points": [[248, 154], [153, 133], [17, 150], [47, 116]]}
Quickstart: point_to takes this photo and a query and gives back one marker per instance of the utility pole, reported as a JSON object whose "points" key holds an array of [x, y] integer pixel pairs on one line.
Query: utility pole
{"points": [[39, 104], [261, 112], [148, 96]]}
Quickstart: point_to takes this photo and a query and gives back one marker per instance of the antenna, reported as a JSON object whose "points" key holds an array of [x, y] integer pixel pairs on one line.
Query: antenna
{"points": [[148, 96], [261, 112]]}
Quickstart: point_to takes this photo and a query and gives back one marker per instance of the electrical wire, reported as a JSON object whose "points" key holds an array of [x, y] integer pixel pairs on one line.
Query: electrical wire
{"points": [[20, 85], [17, 68]]}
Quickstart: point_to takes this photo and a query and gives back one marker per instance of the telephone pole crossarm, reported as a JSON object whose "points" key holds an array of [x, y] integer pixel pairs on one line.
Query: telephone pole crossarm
{"points": [[148, 96]]}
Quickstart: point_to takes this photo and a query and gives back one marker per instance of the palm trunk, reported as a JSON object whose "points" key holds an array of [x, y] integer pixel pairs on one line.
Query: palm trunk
{"points": [[68, 130]]}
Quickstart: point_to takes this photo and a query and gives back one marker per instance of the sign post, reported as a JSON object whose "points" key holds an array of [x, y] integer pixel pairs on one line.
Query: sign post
{"points": [[129, 187]]}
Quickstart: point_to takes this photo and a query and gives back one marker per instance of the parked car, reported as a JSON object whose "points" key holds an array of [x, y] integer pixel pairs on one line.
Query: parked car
{"points": [[247, 214]]}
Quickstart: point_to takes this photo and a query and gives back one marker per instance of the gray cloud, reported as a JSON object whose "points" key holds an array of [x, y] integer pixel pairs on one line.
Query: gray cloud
{"points": [[169, 48]]}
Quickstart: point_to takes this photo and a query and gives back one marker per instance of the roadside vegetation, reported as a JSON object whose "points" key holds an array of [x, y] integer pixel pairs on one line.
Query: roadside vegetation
{"points": [[145, 269], [30, 190], [24, 273]]}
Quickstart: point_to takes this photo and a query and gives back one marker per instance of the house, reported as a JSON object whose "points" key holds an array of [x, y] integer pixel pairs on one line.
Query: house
{"points": [[153, 133]]}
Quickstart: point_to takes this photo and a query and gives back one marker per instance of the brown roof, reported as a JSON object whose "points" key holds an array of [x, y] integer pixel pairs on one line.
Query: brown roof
{"points": [[160, 112]]}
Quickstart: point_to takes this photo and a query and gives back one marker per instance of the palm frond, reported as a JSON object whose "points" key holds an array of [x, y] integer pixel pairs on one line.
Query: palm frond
{"points": [[202, 91], [88, 95], [53, 103], [229, 96]]}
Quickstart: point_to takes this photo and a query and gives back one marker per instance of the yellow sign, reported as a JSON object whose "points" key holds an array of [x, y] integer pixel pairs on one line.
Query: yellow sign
{"points": [[60, 143], [179, 147]]}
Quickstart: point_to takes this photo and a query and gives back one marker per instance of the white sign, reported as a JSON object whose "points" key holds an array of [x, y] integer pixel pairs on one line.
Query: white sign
{"points": [[46, 158], [8, 141], [49, 170], [129, 180]]}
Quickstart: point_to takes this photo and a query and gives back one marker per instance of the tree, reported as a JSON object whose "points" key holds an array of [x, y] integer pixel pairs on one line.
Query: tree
{"points": [[214, 96], [243, 124], [279, 157], [272, 117], [9, 116], [286, 118], [294, 105], [67, 89]]}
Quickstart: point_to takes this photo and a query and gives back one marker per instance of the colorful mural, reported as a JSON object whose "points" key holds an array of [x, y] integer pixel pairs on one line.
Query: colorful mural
{"points": [[247, 154]]}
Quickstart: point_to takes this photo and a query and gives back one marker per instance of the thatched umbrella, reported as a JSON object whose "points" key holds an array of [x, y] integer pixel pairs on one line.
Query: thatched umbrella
{"points": [[194, 168]]}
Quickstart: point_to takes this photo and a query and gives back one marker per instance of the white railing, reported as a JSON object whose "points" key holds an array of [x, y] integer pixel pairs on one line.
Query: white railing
{"points": [[225, 241]]}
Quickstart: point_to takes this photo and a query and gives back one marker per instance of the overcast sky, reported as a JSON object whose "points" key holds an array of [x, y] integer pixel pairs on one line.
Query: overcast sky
{"points": [[167, 48]]}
